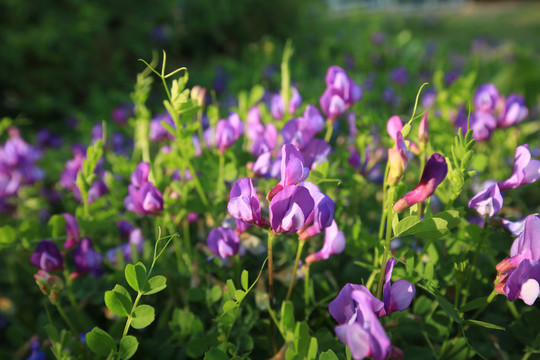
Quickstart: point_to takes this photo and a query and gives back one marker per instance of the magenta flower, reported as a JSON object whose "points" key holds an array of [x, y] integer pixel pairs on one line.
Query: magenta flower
{"points": [[526, 171], [47, 257], [322, 215], [158, 131], [434, 173], [423, 129], [397, 159], [140, 175], [332, 104], [483, 124], [292, 169], [334, 243], [277, 107], [244, 204], [488, 201], [290, 208], [223, 242], [315, 153], [515, 111], [486, 97], [87, 259], [72, 231], [393, 126], [225, 135], [296, 100], [396, 296], [145, 200]]}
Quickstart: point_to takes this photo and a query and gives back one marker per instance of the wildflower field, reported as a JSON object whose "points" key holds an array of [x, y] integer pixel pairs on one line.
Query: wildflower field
{"points": [[192, 181]]}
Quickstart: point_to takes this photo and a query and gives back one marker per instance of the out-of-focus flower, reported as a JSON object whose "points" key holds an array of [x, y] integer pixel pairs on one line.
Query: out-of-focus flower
{"points": [[47, 257], [525, 171], [334, 243], [223, 242], [315, 153], [400, 76], [157, 131], [322, 215], [87, 259], [72, 231], [486, 97], [434, 173], [296, 100], [121, 114], [515, 111], [397, 160], [393, 126], [35, 352], [341, 92], [277, 107], [483, 124]]}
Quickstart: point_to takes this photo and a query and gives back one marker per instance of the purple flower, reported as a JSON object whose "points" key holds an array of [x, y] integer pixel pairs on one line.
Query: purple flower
{"points": [[47, 257], [45, 139], [488, 201], [299, 131], [296, 100], [393, 126], [244, 204], [136, 240], [87, 259], [429, 98], [144, 200], [483, 124], [343, 307], [315, 153], [400, 76], [396, 296], [334, 243], [157, 130], [423, 130], [140, 175], [225, 135], [241, 226], [277, 107], [121, 114], [486, 97], [35, 352], [332, 104], [290, 208], [265, 140], [514, 227], [515, 111], [398, 159], [337, 79], [525, 171], [292, 169], [223, 242], [322, 215], [72, 231], [434, 173]]}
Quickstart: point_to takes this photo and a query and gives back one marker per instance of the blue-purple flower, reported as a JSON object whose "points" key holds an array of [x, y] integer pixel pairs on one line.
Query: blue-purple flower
{"points": [[486, 97], [47, 257], [322, 215], [396, 296], [87, 259], [244, 204], [334, 243], [223, 242], [488, 201], [293, 169], [290, 209], [525, 171], [515, 111]]}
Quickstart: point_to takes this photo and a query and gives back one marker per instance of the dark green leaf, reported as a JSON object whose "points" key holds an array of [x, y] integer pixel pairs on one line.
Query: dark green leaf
{"points": [[474, 304], [215, 354], [100, 342], [484, 324], [142, 316], [128, 347], [328, 355], [433, 227], [448, 308]]}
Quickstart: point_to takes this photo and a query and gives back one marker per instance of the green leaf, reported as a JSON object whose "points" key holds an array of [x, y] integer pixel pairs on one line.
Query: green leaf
{"points": [[229, 305], [302, 338], [428, 271], [239, 295], [128, 347], [406, 130], [231, 288], [244, 280], [448, 308], [215, 354], [155, 284], [312, 351], [405, 224], [136, 276], [7, 235], [484, 324], [287, 316], [433, 227], [474, 304], [142, 316], [100, 342], [118, 301], [57, 223], [214, 294], [328, 355]]}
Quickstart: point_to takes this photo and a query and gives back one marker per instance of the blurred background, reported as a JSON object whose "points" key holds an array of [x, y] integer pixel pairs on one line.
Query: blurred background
{"points": [[64, 59]]}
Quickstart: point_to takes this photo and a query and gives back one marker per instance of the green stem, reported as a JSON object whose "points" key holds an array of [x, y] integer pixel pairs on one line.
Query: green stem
{"points": [[475, 259], [295, 269], [389, 216], [130, 317], [271, 288], [329, 130], [306, 288], [72, 329], [383, 217]]}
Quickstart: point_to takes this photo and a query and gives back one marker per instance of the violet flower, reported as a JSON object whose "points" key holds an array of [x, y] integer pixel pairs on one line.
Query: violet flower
{"points": [[486, 97], [483, 124], [225, 135], [157, 131], [488, 201], [396, 296], [334, 243], [145, 200], [140, 175], [136, 240], [343, 307], [525, 171], [398, 160], [223, 242], [295, 101], [434, 173], [290, 208], [316, 152], [87, 259], [332, 104], [293, 169], [400, 76], [264, 139], [72, 231], [277, 107], [337, 79], [393, 126], [423, 130], [322, 215], [515, 111], [244, 204], [47, 257], [300, 131]]}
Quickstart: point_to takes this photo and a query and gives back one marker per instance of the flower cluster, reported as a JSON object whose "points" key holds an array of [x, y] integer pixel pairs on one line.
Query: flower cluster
{"points": [[341, 92]]}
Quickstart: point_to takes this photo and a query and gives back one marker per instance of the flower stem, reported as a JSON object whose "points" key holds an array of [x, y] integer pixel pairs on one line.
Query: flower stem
{"points": [[389, 217], [329, 130], [71, 328], [271, 289], [130, 317], [475, 259], [295, 269], [306, 288]]}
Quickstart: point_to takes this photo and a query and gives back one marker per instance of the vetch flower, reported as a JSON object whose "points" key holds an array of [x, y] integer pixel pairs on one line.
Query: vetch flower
{"points": [[423, 130], [322, 215], [486, 97], [434, 173], [525, 171], [483, 124], [332, 104], [223, 242], [315, 153], [292, 169], [488, 201], [277, 107], [290, 208], [140, 175], [87, 259], [295, 101], [144, 200], [72, 231], [515, 111], [343, 307], [393, 126], [244, 204], [396, 296], [397, 160], [47, 257], [334, 243]]}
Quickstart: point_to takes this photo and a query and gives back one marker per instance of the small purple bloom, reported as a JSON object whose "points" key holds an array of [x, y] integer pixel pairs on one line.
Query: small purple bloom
{"points": [[486, 97], [334, 243], [488, 201], [393, 126], [525, 171], [87, 259], [483, 124], [223, 242], [396, 296], [121, 114], [144, 200], [343, 307], [400, 76], [244, 204], [265, 140], [72, 231], [292, 169], [332, 104], [225, 135], [97, 132], [515, 111], [277, 107], [157, 131], [429, 98], [47, 257], [296, 100], [140, 175], [290, 208], [337, 79], [322, 215], [434, 173]]}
